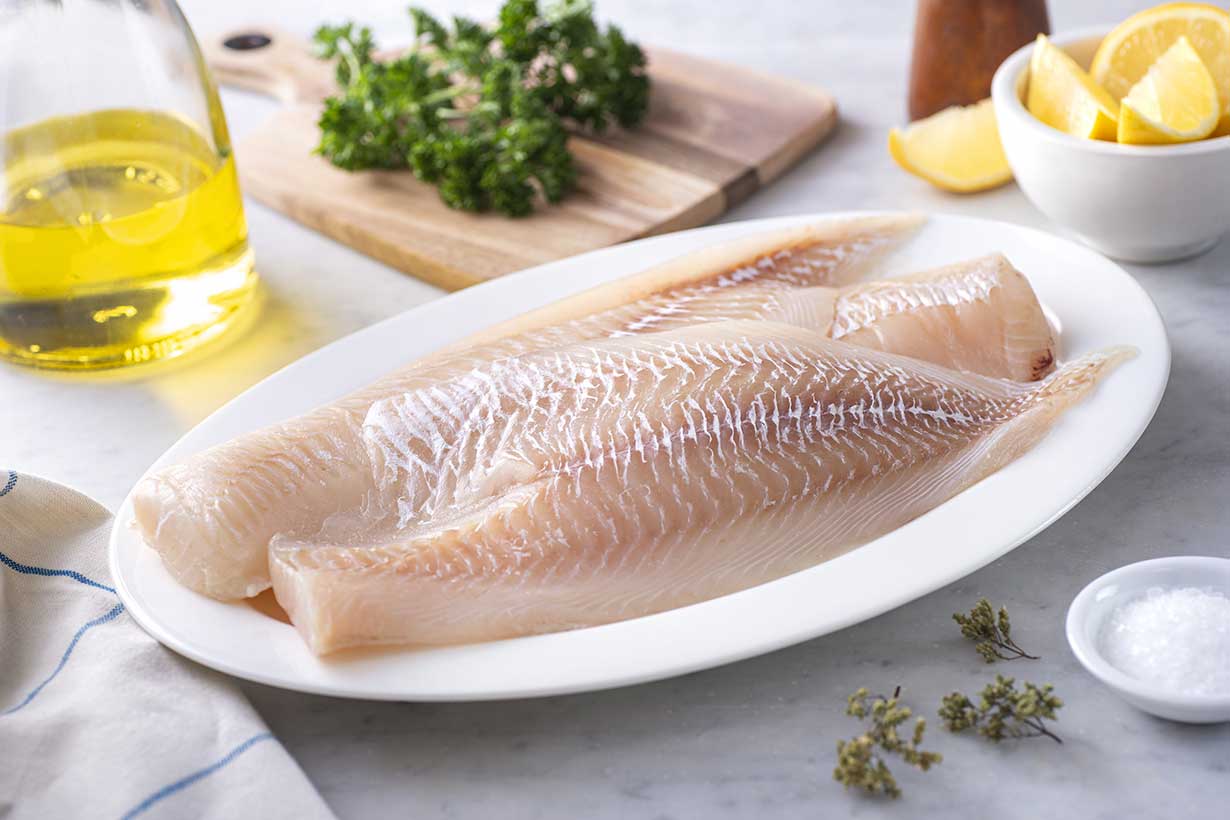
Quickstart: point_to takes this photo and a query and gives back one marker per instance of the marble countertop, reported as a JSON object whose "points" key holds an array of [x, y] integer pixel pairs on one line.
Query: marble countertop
{"points": [[756, 737]]}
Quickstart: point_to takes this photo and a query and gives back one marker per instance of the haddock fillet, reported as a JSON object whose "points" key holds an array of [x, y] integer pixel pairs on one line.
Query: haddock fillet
{"points": [[622, 477], [211, 518], [980, 314]]}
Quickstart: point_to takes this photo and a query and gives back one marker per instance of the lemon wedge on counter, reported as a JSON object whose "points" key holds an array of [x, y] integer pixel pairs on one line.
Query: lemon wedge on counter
{"points": [[1133, 46], [1064, 96], [1176, 100], [957, 149]]}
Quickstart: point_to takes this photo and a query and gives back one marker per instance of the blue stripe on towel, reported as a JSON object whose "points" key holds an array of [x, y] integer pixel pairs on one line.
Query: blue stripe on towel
{"points": [[200, 774], [26, 569], [10, 484], [101, 619]]}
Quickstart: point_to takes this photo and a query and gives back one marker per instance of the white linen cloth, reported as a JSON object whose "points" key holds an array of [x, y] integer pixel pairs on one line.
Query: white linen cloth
{"points": [[96, 718]]}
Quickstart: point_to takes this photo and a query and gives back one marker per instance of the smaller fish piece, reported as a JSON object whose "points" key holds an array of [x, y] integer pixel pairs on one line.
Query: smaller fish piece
{"points": [[980, 316]]}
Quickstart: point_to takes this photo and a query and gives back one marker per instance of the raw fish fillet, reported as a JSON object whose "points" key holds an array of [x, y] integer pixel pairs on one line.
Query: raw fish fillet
{"points": [[622, 477], [942, 313], [212, 517], [980, 316]]}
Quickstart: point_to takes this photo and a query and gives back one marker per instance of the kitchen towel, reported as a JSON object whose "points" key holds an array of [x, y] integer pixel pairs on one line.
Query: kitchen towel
{"points": [[96, 718]]}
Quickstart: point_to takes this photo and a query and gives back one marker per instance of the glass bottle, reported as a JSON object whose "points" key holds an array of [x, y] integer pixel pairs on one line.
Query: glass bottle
{"points": [[122, 233]]}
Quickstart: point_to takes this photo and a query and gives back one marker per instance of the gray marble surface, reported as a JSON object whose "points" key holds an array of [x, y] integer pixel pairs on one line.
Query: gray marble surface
{"points": [[757, 737]]}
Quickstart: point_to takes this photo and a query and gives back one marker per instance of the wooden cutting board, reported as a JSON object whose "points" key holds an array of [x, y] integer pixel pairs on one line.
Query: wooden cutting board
{"points": [[714, 134]]}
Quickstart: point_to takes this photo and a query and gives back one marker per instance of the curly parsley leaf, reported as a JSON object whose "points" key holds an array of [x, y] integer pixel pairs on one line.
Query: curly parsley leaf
{"points": [[482, 113]]}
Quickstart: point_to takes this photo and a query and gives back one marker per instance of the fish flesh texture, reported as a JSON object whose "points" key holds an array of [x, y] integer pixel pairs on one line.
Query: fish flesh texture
{"points": [[211, 518], [943, 314], [980, 316], [625, 476]]}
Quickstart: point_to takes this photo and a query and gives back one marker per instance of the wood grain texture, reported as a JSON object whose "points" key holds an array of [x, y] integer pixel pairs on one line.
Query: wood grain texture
{"points": [[714, 134]]}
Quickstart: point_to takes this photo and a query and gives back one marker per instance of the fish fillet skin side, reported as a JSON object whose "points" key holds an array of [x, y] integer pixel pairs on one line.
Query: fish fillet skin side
{"points": [[211, 517], [624, 477]]}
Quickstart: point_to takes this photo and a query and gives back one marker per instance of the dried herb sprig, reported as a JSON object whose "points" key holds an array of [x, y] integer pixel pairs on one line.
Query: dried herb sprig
{"points": [[1003, 712], [993, 633], [861, 760]]}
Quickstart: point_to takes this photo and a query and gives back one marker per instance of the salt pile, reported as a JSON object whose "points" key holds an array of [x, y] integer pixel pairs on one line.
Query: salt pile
{"points": [[1176, 638]]}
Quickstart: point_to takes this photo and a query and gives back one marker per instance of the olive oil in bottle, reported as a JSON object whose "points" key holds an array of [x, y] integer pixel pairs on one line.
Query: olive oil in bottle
{"points": [[122, 240]]}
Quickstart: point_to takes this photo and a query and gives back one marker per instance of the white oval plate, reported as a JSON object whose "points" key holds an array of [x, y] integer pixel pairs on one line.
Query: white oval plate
{"points": [[1095, 302]]}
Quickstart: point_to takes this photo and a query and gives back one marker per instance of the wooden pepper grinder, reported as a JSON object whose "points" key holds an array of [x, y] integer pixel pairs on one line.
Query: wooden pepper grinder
{"points": [[958, 44]]}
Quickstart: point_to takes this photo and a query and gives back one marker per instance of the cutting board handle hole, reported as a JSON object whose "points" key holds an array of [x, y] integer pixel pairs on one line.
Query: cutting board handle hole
{"points": [[247, 42]]}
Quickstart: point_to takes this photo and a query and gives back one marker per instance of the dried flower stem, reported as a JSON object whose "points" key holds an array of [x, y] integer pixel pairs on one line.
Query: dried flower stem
{"points": [[861, 760], [992, 631], [1003, 712]]}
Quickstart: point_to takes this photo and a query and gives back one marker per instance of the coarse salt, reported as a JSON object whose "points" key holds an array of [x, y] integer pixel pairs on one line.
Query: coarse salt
{"points": [[1176, 638]]}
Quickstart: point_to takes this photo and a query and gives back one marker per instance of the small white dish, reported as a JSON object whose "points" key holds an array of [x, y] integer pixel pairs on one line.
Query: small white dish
{"points": [[1096, 602], [1139, 203], [1096, 304]]}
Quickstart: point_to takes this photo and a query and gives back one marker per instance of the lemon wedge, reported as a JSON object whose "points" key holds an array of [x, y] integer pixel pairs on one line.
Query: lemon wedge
{"points": [[1134, 45], [957, 149], [1064, 96], [1176, 100]]}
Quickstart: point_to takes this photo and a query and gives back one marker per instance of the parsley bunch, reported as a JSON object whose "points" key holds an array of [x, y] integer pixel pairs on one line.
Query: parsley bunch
{"points": [[482, 113]]}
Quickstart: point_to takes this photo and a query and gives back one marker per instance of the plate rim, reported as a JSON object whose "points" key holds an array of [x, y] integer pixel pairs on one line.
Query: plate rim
{"points": [[885, 602]]}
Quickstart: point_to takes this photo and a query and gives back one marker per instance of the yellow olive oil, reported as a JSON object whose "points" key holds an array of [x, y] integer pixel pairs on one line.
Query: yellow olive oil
{"points": [[122, 240]]}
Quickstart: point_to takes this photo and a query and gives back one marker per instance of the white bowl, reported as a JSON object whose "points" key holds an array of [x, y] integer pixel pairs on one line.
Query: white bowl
{"points": [[1096, 602], [1140, 203]]}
